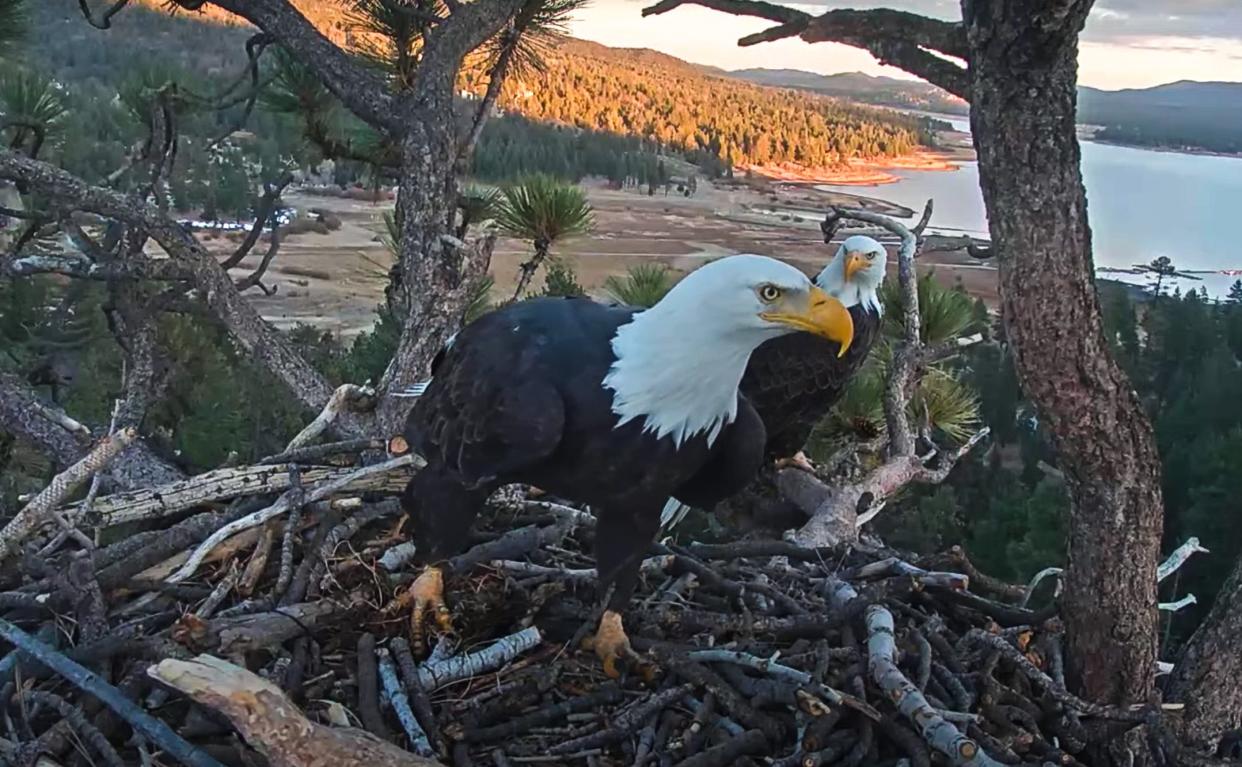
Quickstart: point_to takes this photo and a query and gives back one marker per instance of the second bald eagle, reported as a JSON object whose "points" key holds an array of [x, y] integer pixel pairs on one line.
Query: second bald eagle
{"points": [[793, 381]]}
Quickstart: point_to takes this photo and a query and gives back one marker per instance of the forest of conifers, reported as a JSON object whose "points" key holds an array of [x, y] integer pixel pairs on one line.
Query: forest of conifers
{"points": [[612, 90], [593, 112]]}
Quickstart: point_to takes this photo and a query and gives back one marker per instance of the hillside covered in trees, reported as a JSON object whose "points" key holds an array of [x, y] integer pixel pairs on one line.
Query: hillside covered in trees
{"points": [[629, 116], [658, 97], [1181, 115], [857, 86]]}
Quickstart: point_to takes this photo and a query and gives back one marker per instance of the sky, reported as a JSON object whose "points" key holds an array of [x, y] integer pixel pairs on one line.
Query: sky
{"points": [[1127, 43]]}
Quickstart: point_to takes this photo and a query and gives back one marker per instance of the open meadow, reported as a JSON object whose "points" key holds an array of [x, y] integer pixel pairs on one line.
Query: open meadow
{"points": [[335, 280]]}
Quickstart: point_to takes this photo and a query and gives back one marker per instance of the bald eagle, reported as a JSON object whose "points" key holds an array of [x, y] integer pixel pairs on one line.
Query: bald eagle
{"points": [[608, 406], [793, 381]]}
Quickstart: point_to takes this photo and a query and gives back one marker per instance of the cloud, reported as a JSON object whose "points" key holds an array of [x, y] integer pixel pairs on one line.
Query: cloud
{"points": [[1135, 19]]}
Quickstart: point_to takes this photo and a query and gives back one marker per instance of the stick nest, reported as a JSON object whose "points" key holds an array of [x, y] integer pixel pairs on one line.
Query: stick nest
{"points": [[760, 652]]}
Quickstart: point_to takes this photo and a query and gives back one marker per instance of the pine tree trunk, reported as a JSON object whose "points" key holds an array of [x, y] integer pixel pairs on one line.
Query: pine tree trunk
{"points": [[1206, 677], [1023, 94], [432, 276]]}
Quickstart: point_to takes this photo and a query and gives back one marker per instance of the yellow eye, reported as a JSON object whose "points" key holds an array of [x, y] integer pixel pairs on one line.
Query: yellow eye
{"points": [[871, 256], [769, 293]]}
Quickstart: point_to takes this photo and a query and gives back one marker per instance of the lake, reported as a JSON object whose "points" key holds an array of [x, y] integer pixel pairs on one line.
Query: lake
{"points": [[1141, 204]]}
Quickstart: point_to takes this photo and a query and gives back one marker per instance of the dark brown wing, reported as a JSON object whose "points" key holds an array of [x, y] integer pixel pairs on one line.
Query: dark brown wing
{"points": [[793, 381], [490, 409]]}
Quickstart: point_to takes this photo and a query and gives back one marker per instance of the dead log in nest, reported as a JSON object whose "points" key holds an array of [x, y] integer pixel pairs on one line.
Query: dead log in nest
{"points": [[224, 485], [272, 724]]}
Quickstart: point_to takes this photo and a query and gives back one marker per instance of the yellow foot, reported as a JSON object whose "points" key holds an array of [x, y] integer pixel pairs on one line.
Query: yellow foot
{"points": [[611, 645], [427, 594], [797, 461]]}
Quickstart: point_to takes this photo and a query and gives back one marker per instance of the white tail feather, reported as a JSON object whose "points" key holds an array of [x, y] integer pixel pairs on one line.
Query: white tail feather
{"points": [[673, 513], [417, 390]]}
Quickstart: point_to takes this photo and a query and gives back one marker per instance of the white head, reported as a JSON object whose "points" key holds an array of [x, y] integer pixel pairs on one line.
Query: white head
{"points": [[855, 273], [679, 363]]}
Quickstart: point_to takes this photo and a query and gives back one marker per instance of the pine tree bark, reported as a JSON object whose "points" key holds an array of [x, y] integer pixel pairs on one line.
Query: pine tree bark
{"points": [[1023, 65], [1206, 677], [431, 277]]}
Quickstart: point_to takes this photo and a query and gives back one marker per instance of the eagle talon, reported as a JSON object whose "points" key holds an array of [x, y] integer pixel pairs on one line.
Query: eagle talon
{"points": [[612, 645], [796, 461], [427, 593]]}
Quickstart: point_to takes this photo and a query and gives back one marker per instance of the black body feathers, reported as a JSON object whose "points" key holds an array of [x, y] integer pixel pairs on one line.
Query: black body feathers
{"points": [[793, 381], [518, 397]]}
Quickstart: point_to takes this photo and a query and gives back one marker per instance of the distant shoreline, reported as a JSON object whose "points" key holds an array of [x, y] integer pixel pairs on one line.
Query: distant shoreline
{"points": [[861, 172], [1168, 150]]}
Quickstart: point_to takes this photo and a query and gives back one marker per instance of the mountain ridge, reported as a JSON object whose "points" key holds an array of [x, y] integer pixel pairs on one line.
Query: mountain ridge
{"points": [[1181, 115]]}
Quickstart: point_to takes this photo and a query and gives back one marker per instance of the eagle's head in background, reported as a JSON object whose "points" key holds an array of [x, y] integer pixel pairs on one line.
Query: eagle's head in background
{"points": [[855, 273], [679, 363]]}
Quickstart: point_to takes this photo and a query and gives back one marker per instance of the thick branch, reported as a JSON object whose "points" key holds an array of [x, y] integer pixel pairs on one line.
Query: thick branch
{"points": [[250, 330], [65, 440], [1206, 675], [173, 498], [939, 733], [346, 397], [945, 37], [754, 8], [87, 681], [897, 38], [132, 321], [917, 61], [448, 43], [138, 268], [495, 81], [22, 415], [351, 81], [835, 511], [282, 505]]}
